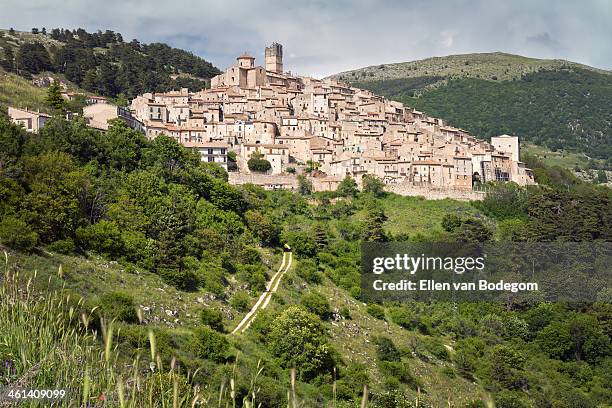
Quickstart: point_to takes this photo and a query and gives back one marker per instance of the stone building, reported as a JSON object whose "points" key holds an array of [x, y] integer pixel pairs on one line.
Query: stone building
{"points": [[299, 121]]}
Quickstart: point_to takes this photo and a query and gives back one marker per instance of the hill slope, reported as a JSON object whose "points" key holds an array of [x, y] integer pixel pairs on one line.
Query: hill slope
{"points": [[554, 103], [103, 62]]}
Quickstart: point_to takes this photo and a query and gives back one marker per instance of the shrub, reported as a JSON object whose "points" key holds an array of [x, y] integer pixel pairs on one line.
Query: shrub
{"points": [[240, 301], [436, 348], [316, 303], [302, 242], [62, 246], [212, 318], [258, 164], [309, 271], [211, 345], [298, 339], [403, 317], [120, 306], [181, 279], [376, 311], [17, 234], [386, 350], [510, 399], [102, 237]]}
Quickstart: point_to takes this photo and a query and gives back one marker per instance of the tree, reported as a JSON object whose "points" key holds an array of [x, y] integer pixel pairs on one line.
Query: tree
{"points": [[298, 339], [602, 177], [316, 303], [347, 187], [386, 350], [258, 164], [320, 237], [211, 345], [33, 58], [263, 227], [212, 318], [373, 230], [17, 234], [373, 185], [304, 185], [54, 97], [311, 166]]}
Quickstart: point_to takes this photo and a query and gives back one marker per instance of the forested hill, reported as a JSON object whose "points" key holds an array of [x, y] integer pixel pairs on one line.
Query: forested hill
{"points": [[103, 62], [554, 103]]}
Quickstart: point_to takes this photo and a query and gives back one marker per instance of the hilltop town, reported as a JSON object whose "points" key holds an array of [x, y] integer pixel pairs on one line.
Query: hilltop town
{"points": [[325, 129]]}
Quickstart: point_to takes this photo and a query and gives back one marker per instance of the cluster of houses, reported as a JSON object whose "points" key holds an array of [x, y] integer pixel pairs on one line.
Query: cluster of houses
{"points": [[324, 127]]}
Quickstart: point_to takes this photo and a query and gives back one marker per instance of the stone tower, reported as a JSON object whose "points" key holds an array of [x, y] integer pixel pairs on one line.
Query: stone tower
{"points": [[274, 58]]}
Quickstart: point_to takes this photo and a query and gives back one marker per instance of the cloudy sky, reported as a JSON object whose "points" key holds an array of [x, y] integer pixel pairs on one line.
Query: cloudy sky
{"points": [[322, 37]]}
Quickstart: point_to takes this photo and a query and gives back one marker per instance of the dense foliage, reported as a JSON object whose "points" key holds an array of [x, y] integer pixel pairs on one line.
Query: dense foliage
{"points": [[104, 63], [153, 206], [561, 109]]}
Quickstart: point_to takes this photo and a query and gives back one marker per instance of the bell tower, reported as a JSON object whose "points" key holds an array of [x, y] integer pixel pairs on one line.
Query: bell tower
{"points": [[274, 58]]}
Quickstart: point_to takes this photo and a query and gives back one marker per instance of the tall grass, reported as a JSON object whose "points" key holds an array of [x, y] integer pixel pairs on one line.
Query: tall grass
{"points": [[45, 344]]}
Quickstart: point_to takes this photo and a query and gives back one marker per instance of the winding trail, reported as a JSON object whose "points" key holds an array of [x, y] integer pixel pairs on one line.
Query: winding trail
{"points": [[265, 297]]}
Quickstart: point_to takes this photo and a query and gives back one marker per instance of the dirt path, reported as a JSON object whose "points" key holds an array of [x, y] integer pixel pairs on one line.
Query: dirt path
{"points": [[265, 297]]}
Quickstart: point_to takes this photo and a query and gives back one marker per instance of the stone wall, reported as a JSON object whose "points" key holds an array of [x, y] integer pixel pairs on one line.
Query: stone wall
{"points": [[406, 189], [267, 181], [289, 182]]}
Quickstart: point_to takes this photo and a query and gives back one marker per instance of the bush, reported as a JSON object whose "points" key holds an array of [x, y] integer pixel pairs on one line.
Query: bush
{"points": [[63, 246], [211, 345], [403, 317], [386, 350], [510, 399], [181, 279], [240, 301], [16, 234], [258, 164], [212, 318], [316, 303], [309, 271], [436, 348], [376, 311], [102, 237], [298, 339], [120, 306], [302, 242]]}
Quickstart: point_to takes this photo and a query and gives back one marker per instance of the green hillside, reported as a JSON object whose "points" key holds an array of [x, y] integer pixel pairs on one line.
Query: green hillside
{"points": [[102, 62], [17, 91], [136, 261], [552, 103], [496, 66]]}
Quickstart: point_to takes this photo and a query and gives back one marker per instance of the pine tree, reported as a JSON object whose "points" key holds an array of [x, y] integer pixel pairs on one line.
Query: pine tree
{"points": [[54, 97]]}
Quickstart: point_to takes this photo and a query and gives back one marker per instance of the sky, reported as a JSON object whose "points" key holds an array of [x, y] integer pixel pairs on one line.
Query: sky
{"points": [[323, 37]]}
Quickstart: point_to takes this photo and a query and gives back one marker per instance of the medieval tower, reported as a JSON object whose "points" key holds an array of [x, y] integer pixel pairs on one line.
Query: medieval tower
{"points": [[274, 58]]}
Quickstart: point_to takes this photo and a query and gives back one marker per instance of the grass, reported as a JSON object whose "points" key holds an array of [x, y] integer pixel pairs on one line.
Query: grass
{"points": [[414, 215], [19, 92], [47, 343], [163, 305], [568, 160]]}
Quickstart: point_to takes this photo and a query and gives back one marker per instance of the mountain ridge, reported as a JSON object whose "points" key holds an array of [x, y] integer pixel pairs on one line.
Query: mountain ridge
{"points": [[462, 65]]}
